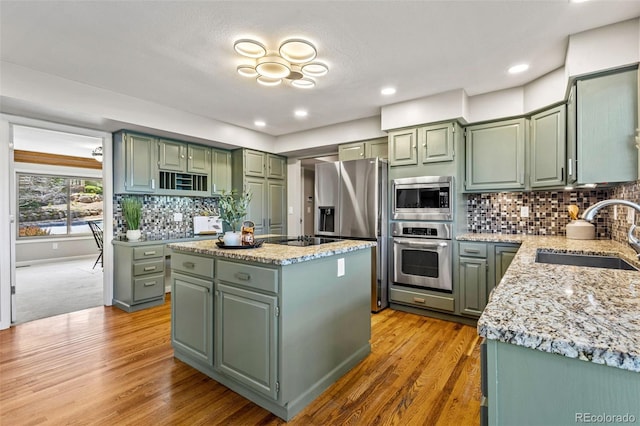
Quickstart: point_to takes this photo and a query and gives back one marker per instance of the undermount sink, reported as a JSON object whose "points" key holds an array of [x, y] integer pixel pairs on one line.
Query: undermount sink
{"points": [[593, 261]]}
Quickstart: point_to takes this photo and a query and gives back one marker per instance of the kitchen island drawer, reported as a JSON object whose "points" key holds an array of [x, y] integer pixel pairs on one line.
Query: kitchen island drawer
{"points": [[257, 277], [148, 252], [145, 268], [194, 265], [424, 300], [148, 287], [473, 249]]}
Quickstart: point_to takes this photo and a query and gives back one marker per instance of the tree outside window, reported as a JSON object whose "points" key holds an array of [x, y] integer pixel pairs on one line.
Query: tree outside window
{"points": [[50, 206]]}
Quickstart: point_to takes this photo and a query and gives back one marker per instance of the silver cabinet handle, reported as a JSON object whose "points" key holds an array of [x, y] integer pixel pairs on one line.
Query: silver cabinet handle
{"points": [[242, 276], [149, 253], [153, 184], [418, 300], [471, 251], [570, 167], [189, 265], [150, 284], [150, 268]]}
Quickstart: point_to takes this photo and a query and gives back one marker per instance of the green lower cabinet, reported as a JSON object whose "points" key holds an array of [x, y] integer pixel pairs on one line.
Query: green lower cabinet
{"points": [[246, 338], [504, 255], [473, 286], [531, 387], [192, 316]]}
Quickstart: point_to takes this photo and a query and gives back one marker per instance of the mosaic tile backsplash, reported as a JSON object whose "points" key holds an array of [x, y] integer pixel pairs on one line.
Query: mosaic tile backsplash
{"points": [[157, 216], [500, 212]]}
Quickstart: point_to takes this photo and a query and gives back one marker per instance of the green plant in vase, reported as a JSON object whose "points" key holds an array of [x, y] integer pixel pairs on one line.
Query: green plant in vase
{"points": [[233, 208], [132, 212]]}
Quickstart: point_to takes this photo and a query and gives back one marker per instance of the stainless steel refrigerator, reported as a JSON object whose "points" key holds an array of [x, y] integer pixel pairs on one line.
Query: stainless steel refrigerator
{"points": [[351, 203]]}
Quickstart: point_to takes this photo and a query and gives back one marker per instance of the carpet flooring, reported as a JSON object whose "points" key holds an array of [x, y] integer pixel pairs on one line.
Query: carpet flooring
{"points": [[49, 289]]}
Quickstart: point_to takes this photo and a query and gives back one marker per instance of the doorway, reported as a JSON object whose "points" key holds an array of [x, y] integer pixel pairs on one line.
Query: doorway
{"points": [[56, 190]]}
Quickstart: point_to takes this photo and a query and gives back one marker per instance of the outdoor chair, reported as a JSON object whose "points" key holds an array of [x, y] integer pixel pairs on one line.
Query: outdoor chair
{"points": [[97, 235]]}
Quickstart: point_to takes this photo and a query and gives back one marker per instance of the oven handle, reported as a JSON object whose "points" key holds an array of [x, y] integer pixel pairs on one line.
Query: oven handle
{"points": [[413, 243]]}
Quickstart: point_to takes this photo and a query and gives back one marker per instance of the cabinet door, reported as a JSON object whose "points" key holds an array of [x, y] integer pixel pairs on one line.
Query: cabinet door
{"points": [[220, 171], [172, 155], [504, 256], [436, 143], [246, 338], [276, 167], [402, 147], [199, 159], [192, 316], [277, 216], [377, 149], [141, 164], [607, 118], [351, 151], [254, 163], [473, 285], [257, 211], [572, 141], [547, 148], [495, 155]]}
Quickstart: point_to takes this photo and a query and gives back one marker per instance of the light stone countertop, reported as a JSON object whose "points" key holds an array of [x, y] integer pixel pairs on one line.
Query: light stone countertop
{"points": [[579, 312], [274, 253]]}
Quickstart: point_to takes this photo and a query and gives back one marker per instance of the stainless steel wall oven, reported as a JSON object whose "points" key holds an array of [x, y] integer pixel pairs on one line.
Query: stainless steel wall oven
{"points": [[422, 255]]}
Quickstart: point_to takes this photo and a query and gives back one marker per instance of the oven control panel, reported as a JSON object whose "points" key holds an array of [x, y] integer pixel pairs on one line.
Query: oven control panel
{"points": [[440, 231]]}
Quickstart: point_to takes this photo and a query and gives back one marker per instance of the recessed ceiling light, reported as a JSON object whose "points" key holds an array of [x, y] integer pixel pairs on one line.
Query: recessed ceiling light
{"points": [[518, 68], [300, 113], [388, 91], [259, 123]]}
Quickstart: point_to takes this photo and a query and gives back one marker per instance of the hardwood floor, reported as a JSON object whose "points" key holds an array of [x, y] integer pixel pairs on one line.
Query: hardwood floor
{"points": [[104, 366]]}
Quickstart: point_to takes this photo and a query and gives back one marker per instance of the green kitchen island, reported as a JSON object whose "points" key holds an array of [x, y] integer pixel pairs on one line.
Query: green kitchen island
{"points": [[276, 324]]}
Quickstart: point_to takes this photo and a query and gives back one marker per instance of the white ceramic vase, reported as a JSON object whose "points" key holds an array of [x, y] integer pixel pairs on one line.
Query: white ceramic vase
{"points": [[232, 238], [133, 234]]}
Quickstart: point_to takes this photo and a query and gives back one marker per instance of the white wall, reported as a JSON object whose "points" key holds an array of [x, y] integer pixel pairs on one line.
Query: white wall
{"points": [[5, 227], [440, 107], [546, 90], [99, 105], [356, 130], [603, 48], [490, 106]]}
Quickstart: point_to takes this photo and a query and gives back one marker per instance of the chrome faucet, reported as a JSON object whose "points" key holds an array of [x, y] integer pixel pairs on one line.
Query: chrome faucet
{"points": [[590, 213]]}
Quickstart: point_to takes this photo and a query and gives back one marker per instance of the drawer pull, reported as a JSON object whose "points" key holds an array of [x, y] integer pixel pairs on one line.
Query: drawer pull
{"points": [[189, 265], [243, 276], [471, 251], [150, 268], [150, 284], [418, 300], [149, 253]]}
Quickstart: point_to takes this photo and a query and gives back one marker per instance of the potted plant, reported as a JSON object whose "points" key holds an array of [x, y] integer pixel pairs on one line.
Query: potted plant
{"points": [[233, 208], [132, 211]]}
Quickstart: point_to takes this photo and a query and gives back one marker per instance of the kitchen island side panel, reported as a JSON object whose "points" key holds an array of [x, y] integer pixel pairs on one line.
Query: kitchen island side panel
{"points": [[325, 324]]}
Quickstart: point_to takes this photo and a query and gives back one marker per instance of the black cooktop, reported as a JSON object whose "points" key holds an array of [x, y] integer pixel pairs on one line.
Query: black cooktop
{"points": [[300, 241]]}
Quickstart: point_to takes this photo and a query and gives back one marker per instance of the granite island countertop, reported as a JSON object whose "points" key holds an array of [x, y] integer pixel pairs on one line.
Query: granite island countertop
{"points": [[592, 314], [274, 253]]}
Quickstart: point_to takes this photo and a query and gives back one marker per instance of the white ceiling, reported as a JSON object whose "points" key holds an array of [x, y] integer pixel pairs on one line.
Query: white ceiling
{"points": [[180, 53]]}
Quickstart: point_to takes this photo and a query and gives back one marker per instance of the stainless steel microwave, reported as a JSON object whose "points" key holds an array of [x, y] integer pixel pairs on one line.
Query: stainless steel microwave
{"points": [[423, 198]]}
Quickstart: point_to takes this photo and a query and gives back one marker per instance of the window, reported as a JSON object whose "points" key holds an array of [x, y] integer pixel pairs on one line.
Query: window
{"points": [[54, 206]]}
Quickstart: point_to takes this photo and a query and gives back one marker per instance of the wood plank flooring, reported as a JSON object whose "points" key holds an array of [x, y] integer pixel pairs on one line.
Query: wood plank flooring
{"points": [[104, 366]]}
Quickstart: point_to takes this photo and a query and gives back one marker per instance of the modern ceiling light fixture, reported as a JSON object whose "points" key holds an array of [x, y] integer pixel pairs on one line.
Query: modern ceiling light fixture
{"points": [[97, 154], [293, 62]]}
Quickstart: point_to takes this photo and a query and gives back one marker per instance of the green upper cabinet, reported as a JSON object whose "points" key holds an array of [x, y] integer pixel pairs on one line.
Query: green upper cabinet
{"points": [[135, 163], [547, 148], [220, 171], [277, 166], [436, 143], [199, 159], [377, 149], [602, 146], [351, 151], [254, 163], [172, 155], [495, 157], [402, 147]]}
